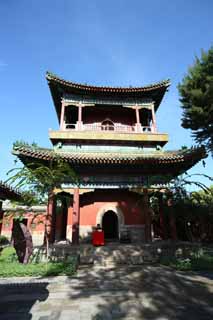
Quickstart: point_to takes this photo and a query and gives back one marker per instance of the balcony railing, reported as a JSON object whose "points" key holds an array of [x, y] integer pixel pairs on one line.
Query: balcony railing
{"points": [[117, 127]]}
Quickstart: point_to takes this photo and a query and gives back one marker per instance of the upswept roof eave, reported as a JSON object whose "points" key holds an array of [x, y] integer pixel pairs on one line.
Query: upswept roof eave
{"points": [[58, 85], [54, 78], [192, 156]]}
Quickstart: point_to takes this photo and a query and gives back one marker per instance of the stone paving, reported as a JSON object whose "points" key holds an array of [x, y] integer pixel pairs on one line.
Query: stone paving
{"points": [[144, 292]]}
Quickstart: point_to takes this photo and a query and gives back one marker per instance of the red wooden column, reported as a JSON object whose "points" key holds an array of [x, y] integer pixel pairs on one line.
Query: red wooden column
{"points": [[50, 218], [80, 117], [69, 220], [138, 122], [148, 236], [1, 216], [162, 222], [137, 115], [75, 217], [62, 115], [154, 124], [172, 220]]}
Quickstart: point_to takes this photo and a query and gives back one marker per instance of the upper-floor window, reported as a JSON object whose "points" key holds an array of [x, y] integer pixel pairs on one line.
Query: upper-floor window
{"points": [[107, 125]]}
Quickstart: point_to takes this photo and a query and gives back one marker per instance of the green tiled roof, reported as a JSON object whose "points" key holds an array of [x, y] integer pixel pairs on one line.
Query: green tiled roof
{"points": [[190, 155]]}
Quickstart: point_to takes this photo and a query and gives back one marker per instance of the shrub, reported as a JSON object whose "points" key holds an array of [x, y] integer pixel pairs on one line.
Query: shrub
{"points": [[3, 240], [196, 262], [204, 262]]}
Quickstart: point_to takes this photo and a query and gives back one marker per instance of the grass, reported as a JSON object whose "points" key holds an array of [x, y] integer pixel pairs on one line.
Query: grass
{"points": [[10, 267], [195, 263]]}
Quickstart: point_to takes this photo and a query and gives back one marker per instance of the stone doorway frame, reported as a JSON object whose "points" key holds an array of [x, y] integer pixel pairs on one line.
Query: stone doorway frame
{"points": [[111, 207]]}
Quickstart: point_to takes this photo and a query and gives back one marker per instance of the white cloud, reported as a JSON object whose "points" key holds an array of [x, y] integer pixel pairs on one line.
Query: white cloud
{"points": [[3, 64]]}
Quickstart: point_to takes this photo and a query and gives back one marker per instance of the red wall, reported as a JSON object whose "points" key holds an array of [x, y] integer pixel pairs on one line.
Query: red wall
{"points": [[116, 114], [130, 204], [35, 222], [90, 203]]}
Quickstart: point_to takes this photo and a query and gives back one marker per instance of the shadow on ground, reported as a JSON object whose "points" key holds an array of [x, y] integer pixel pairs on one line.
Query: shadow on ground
{"points": [[144, 293], [18, 299], [122, 292]]}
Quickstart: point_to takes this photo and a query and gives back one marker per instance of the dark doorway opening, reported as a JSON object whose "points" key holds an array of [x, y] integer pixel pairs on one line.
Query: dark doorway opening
{"points": [[64, 220], [110, 225], [60, 217]]}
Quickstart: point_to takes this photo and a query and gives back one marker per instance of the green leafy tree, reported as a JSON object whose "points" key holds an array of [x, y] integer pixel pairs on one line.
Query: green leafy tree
{"points": [[194, 214], [196, 97], [190, 209], [204, 199], [40, 178]]}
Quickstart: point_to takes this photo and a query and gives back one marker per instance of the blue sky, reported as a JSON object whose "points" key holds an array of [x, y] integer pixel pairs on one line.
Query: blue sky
{"points": [[113, 42]]}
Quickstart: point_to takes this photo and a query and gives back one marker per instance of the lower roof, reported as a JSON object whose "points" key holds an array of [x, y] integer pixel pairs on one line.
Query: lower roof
{"points": [[6, 192], [178, 161]]}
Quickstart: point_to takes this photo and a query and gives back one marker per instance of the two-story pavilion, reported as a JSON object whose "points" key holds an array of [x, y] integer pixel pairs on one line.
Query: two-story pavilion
{"points": [[109, 136]]}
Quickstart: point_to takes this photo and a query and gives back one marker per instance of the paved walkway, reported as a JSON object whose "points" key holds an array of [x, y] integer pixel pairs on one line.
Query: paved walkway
{"points": [[125, 293]]}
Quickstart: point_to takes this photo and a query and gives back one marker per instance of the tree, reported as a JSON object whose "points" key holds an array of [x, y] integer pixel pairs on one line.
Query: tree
{"points": [[41, 178], [188, 212], [193, 210], [196, 96], [204, 199]]}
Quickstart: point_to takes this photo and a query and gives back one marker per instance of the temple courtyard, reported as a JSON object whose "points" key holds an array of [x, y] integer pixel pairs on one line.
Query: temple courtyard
{"points": [[142, 292]]}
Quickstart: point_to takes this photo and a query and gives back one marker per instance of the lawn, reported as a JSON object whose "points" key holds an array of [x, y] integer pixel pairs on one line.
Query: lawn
{"points": [[10, 267]]}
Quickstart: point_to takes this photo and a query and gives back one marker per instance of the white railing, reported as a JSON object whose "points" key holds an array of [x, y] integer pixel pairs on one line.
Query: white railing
{"points": [[117, 127], [108, 127]]}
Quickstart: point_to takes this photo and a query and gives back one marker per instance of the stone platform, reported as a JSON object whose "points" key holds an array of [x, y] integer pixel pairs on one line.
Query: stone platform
{"points": [[116, 254]]}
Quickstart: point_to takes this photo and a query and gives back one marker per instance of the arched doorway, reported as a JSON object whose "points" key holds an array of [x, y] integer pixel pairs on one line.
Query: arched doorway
{"points": [[110, 225]]}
